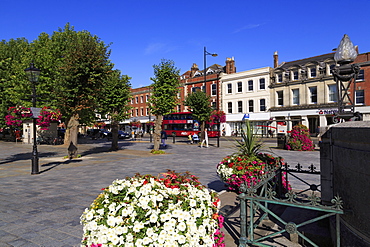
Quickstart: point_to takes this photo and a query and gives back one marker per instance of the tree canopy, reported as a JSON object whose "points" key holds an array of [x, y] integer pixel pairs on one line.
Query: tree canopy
{"points": [[164, 90]]}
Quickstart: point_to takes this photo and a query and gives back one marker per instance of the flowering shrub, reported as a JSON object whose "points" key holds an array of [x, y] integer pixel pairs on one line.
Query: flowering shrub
{"points": [[16, 115], [169, 210], [300, 139], [47, 115], [236, 170], [218, 116], [248, 165]]}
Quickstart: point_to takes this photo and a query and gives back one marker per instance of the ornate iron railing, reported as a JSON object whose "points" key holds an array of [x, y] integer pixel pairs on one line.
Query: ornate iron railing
{"points": [[259, 197]]}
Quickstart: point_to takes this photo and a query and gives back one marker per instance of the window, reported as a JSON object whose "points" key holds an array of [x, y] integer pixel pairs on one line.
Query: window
{"points": [[229, 88], [230, 107], [295, 75], [240, 87], [142, 111], [213, 105], [141, 99], [262, 105], [132, 101], [214, 89], [147, 111], [313, 72], [179, 108], [361, 75], [137, 112], [250, 85], [280, 99], [313, 95], [262, 83], [332, 66], [333, 95], [250, 106], [360, 97], [295, 93], [280, 77], [204, 88], [147, 97], [194, 89], [137, 100], [240, 106]]}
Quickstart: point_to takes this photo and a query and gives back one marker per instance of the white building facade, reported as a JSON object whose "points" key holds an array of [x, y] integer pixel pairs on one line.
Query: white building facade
{"points": [[245, 95]]}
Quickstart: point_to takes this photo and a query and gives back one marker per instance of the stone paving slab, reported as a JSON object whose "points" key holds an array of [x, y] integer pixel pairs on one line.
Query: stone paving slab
{"points": [[44, 209]]}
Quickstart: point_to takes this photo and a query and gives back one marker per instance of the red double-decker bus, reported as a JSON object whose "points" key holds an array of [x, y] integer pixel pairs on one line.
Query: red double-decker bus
{"points": [[183, 124]]}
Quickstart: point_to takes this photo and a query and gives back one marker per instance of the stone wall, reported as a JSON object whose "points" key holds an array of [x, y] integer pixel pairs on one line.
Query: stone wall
{"points": [[345, 168]]}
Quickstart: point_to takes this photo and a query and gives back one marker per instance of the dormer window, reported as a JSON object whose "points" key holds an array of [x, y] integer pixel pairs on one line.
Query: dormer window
{"points": [[313, 72], [279, 78], [295, 75]]}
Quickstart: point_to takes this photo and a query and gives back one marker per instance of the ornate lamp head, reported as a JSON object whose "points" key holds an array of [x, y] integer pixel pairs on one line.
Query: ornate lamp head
{"points": [[346, 52]]}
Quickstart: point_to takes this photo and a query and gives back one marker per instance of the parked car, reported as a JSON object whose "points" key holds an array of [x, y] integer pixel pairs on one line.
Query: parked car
{"points": [[123, 135]]}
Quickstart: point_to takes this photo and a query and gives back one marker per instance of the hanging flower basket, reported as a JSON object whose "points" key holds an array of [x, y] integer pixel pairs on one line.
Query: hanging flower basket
{"points": [[169, 210]]}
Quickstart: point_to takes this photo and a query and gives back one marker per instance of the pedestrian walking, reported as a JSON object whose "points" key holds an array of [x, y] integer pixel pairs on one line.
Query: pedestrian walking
{"points": [[205, 139], [163, 138]]}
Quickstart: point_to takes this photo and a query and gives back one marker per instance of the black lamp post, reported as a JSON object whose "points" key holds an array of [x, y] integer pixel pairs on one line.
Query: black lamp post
{"points": [[33, 75], [344, 75], [205, 65]]}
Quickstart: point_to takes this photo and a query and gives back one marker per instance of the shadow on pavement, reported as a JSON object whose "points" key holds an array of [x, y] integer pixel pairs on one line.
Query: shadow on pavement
{"points": [[217, 186], [105, 149], [55, 164], [25, 156]]}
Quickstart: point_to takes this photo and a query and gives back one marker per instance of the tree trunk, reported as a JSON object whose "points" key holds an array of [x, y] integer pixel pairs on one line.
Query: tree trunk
{"points": [[72, 132], [202, 128], [157, 132], [114, 131]]}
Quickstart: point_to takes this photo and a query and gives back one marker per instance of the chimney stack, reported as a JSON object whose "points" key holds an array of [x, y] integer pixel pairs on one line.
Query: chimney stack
{"points": [[230, 65], [276, 59], [194, 69]]}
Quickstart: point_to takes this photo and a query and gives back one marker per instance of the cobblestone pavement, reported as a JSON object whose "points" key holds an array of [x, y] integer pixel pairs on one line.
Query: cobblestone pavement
{"points": [[44, 209]]}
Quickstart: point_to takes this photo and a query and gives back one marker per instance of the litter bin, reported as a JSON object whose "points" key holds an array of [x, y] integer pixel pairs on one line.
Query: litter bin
{"points": [[281, 140]]}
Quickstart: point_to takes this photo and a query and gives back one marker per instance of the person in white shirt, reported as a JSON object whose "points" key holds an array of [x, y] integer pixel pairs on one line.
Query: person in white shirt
{"points": [[205, 139]]}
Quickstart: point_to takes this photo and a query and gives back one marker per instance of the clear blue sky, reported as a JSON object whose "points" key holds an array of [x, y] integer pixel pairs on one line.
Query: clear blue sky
{"points": [[143, 32]]}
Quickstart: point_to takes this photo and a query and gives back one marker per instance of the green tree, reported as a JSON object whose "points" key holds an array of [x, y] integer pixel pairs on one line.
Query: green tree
{"points": [[84, 64], [114, 102], [14, 85], [164, 90], [200, 107]]}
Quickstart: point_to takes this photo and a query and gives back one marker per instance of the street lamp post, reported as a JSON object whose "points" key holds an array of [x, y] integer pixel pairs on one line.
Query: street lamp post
{"points": [[345, 73], [33, 75], [205, 53]]}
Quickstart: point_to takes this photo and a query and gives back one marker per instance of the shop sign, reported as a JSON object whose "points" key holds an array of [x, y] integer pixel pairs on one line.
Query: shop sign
{"points": [[327, 112]]}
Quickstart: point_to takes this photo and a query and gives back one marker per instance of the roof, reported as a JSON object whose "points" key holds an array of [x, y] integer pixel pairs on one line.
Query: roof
{"points": [[302, 62]]}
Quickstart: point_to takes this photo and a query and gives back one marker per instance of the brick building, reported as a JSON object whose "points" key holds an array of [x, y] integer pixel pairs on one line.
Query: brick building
{"points": [[209, 82]]}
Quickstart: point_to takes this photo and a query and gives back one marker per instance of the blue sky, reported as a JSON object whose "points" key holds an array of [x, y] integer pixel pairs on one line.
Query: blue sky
{"points": [[143, 32]]}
